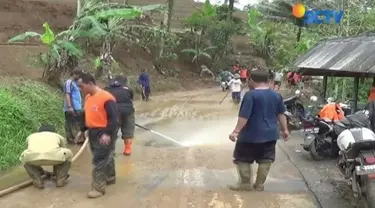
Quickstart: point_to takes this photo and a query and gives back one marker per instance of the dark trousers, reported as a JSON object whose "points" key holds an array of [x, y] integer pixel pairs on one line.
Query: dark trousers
{"points": [[73, 121], [103, 162], [236, 96], [146, 92]]}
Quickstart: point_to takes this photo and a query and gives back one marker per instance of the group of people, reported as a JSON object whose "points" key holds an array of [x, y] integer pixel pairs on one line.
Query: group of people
{"points": [[261, 118], [103, 113]]}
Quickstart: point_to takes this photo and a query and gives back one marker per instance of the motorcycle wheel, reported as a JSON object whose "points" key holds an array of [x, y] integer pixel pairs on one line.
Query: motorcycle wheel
{"points": [[222, 88], [314, 154], [370, 192]]}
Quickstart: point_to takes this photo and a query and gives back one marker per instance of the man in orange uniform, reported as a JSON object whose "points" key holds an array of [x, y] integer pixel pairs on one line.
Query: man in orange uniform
{"points": [[243, 74], [101, 122]]}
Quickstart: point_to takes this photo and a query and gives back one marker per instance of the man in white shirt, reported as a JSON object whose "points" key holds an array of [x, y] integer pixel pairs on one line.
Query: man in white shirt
{"points": [[235, 87], [277, 80]]}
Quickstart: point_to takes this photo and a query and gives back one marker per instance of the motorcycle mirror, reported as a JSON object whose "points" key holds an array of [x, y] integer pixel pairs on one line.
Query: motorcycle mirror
{"points": [[314, 98], [297, 92]]}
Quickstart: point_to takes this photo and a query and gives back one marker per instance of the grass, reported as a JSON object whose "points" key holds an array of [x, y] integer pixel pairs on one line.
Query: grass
{"points": [[24, 106]]}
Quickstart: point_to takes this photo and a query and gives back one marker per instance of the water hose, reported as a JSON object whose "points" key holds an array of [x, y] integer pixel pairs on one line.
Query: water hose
{"points": [[29, 182], [159, 134]]}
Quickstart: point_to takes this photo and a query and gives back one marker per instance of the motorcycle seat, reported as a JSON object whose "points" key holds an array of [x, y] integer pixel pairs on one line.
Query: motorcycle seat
{"points": [[354, 148]]}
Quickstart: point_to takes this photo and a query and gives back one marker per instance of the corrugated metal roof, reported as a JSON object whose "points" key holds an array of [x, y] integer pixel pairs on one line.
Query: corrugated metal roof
{"points": [[354, 56]]}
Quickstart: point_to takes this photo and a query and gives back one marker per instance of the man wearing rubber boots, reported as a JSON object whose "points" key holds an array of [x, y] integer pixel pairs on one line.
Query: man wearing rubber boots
{"points": [[101, 123], [256, 132], [124, 98], [47, 148]]}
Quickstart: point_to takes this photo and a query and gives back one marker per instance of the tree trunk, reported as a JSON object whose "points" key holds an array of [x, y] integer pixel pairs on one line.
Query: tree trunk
{"points": [[166, 26], [79, 6], [299, 34], [230, 9]]}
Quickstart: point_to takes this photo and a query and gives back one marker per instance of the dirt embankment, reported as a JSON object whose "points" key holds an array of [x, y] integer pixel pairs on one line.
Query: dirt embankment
{"points": [[29, 15]]}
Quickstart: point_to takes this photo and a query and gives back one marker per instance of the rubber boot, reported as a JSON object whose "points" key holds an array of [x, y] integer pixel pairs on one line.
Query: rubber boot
{"points": [[94, 194], [35, 173], [128, 146], [61, 172], [245, 178], [262, 174]]}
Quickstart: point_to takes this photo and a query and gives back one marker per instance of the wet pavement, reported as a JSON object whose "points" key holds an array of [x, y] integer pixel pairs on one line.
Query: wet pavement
{"points": [[161, 173]]}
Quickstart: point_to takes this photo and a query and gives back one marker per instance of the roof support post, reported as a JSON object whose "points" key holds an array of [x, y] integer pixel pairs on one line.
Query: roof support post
{"points": [[355, 95], [325, 84]]}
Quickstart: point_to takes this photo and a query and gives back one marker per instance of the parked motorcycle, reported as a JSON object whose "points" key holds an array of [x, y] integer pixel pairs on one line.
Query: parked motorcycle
{"points": [[321, 135], [356, 160], [296, 112], [320, 140], [294, 105]]}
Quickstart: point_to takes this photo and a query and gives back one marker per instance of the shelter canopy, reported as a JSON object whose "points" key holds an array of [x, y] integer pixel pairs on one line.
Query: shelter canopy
{"points": [[340, 57]]}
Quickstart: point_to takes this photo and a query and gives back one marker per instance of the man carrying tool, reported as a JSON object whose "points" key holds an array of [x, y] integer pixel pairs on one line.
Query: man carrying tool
{"points": [[235, 87], [46, 148], [144, 82], [256, 132], [124, 98], [101, 123], [72, 105]]}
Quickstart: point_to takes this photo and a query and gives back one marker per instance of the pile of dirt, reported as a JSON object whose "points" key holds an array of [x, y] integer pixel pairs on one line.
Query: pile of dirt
{"points": [[26, 15]]}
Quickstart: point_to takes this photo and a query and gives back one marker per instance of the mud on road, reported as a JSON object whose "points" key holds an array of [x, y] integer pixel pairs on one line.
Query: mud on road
{"points": [[162, 174]]}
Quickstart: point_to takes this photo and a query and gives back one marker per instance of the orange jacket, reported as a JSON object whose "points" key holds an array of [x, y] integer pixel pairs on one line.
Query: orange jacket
{"points": [[332, 111], [243, 73], [371, 96]]}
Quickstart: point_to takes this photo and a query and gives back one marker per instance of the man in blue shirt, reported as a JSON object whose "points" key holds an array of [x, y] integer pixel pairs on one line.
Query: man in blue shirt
{"points": [[256, 131], [72, 105], [144, 82]]}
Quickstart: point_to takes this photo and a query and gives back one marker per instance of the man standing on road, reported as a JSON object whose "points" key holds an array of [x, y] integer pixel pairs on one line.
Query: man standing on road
{"points": [[277, 80], [47, 148], [101, 123], [144, 82], [72, 105], [256, 132], [124, 99]]}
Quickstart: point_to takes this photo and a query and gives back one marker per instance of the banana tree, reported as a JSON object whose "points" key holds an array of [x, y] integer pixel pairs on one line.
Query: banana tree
{"points": [[107, 23], [197, 53], [61, 56]]}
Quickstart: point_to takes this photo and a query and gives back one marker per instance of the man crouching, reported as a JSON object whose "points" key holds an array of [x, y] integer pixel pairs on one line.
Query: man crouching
{"points": [[47, 148]]}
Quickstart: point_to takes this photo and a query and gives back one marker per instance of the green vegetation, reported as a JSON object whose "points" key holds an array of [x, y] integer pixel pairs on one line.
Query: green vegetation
{"points": [[24, 106]]}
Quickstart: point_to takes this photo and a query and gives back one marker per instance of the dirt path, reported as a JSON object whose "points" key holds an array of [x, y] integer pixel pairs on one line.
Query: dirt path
{"points": [[160, 174]]}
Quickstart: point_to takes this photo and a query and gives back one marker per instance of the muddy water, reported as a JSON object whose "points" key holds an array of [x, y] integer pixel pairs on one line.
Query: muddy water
{"points": [[161, 173]]}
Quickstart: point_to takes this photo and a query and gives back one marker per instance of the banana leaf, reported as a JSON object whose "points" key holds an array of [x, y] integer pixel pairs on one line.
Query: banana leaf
{"points": [[70, 47], [153, 7], [125, 13], [48, 37], [208, 9], [23, 37]]}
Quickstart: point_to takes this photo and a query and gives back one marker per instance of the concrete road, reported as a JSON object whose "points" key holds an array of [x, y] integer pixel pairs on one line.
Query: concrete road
{"points": [[163, 174]]}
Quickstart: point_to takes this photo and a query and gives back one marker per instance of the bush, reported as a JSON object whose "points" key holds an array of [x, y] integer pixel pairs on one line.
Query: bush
{"points": [[24, 106]]}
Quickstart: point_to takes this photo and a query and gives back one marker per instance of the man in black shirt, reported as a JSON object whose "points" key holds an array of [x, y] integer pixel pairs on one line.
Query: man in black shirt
{"points": [[124, 99]]}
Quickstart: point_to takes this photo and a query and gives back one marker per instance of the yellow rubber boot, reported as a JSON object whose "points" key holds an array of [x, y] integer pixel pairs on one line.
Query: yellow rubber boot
{"points": [[262, 173], [245, 178]]}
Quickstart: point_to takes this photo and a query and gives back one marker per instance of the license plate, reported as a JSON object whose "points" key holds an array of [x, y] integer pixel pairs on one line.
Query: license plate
{"points": [[311, 130], [365, 169]]}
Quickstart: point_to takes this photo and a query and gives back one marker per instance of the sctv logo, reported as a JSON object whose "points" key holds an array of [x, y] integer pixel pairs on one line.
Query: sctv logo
{"points": [[316, 16]]}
